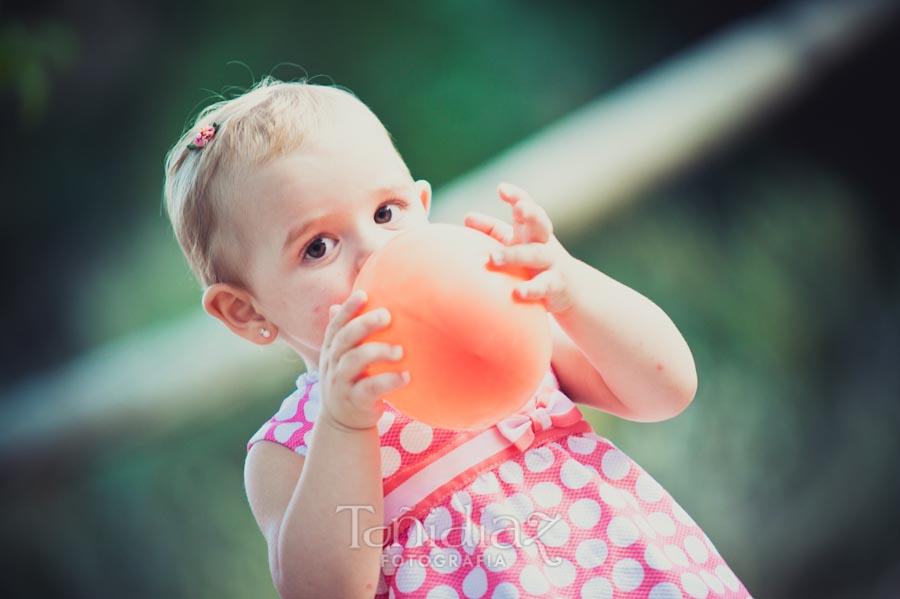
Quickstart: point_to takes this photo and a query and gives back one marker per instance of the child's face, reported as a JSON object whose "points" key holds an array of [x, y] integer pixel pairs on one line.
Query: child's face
{"points": [[313, 217]]}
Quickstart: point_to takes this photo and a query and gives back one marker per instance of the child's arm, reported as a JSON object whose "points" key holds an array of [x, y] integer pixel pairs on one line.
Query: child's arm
{"points": [[315, 550], [295, 502], [613, 349], [617, 351]]}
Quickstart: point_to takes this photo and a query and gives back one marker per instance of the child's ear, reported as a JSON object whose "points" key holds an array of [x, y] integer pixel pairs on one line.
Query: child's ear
{"points": [[423, 191], [232, 305]]}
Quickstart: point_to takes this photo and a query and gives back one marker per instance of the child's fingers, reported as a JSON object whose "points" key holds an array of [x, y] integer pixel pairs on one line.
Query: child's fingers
{"points": [[541, 286], [496, 228], [355, 331], [376, 386], [355, 361], [529, 255], [531, 221], [340, 315]]}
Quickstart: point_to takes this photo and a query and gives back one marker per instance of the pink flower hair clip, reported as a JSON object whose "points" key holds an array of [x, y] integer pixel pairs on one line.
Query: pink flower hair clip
{"points": [[203, 137]]}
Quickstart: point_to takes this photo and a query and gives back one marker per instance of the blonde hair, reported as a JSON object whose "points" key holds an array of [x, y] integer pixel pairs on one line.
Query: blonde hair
{"points": [[270, 119]]}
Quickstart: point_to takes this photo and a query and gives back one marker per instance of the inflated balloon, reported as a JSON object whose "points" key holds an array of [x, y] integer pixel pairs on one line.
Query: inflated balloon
{"points": [[475, 353]]}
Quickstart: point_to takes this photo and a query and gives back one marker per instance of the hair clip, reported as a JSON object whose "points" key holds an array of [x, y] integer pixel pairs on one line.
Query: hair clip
{"points": [[203, 137]]}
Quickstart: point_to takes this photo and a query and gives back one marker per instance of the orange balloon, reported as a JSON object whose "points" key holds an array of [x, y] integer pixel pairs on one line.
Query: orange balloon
{"points": [[475, 353]]}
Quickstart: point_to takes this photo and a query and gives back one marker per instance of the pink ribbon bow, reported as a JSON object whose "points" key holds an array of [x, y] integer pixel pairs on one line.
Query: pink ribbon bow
{"points": [[552, 409]]}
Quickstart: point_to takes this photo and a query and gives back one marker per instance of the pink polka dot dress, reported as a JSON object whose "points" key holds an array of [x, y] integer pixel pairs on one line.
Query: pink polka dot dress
{"points": [[535, 506]]}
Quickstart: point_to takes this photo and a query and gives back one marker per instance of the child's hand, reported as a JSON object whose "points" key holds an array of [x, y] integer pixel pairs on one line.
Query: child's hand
{"points": [[530, 244], [350, 399]]}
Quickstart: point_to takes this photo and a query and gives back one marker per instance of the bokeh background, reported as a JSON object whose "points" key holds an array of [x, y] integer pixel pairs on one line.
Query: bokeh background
{"points": [[776, 256]]}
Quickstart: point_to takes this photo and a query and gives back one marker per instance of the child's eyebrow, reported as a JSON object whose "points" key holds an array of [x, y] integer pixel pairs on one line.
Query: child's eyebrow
{"points": [[295, 234], [395, 190]]}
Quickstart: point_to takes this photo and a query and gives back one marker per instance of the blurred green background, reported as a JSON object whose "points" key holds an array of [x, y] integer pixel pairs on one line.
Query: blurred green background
{"points": [[777, 259]]}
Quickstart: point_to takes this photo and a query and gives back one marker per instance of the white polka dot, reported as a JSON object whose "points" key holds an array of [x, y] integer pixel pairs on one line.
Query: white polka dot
{"points": [[288, 408], [416, 534], [610, 495], [712, 582], [485, 484], [475, 583], [494, 517], [682, 515], [533, 581], [696, 549], [511, 473], [629, 499], [648, 489], [615, 465], [307, 436], [693, 586], [591, 553], [597, 588], [416, 437], [656, 559], [445, 560], [471, 537], [622, 531], [574, 475], [560, 574], [438, 522], [283, 432], [520, 506], [505, 590], [582, 445], [410, 576], [554, 532], [443, 592], [727, 576], [644, 526], [628, 574], [461, 501], [385, 422], [662, 523], [546, 494], [390, 460], [665, 590], [311, 410], [584, 513], [674, 553], [498, 558], [539, 459], [315, 392]]}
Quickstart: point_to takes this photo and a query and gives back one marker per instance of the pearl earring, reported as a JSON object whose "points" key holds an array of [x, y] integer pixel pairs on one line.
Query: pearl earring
{"points": [[265, 332]]}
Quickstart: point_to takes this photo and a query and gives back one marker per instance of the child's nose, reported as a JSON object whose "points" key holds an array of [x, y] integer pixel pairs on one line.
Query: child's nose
{"points": [[368, 246], [361, 261]]}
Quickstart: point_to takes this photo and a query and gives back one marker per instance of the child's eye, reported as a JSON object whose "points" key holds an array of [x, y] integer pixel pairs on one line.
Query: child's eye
{"points": [[318, 247], [384, 214], [390, 212]]}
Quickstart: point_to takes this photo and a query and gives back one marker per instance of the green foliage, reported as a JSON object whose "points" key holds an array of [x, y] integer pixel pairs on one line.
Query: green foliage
{"points": [[28, 58]]}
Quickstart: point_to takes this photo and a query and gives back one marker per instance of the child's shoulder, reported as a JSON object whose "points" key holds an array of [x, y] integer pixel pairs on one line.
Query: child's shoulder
{"points": [[295, 418]]}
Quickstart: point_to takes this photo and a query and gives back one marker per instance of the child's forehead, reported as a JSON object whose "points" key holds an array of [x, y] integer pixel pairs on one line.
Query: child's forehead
{"points": [[306, 182], [346, 154]]}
